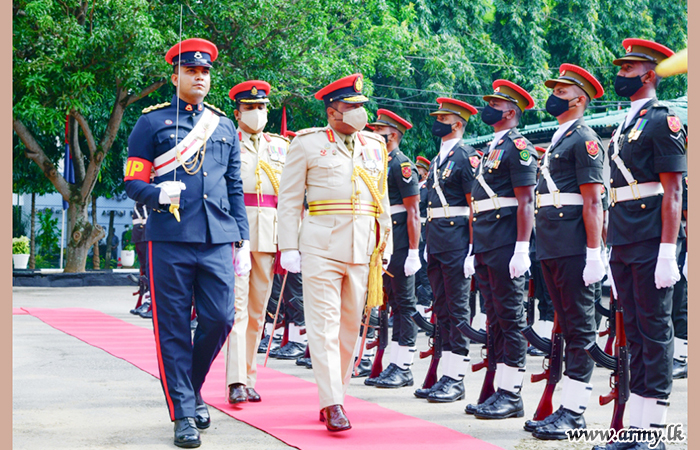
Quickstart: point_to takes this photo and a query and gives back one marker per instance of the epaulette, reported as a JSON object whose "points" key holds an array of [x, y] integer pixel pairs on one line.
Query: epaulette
{"points": [[309, 131], [154, 107], [214, 108], [278, 136]]}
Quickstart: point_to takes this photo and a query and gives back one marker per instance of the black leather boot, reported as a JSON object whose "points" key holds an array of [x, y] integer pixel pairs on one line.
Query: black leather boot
{"points": [[680, 369], [186, 433], [507, 404], [556, 429], [531, 425], [450, 390], [201, 413], [364, 369], [471, 408], [387, 371], [292, 350], [395, 379], [424, 392]]}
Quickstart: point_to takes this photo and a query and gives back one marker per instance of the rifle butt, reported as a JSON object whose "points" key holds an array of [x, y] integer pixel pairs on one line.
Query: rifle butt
{"points": [[377, 364], [487, 389], [544, 408]]}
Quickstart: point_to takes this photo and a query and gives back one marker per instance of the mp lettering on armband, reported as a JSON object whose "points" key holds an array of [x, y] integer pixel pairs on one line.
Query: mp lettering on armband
{"points": [[138, 169]]}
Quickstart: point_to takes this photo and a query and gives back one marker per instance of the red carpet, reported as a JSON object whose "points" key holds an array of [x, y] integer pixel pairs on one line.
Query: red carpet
{"points": [[19, 312], [289, 410]]}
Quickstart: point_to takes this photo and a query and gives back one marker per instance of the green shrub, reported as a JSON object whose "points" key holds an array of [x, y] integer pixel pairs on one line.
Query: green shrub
{"points": [[20, 245], [49, 234]]}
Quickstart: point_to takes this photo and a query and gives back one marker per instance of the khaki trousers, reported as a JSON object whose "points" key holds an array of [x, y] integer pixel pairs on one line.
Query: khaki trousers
{"points": [[334, 296], [252, 293]]}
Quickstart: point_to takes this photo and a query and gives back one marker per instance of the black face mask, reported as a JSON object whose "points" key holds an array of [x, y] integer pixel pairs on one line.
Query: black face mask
{"points": [[491, 115], [627, 87], [557, 106], [386, 137], [441, 129]]}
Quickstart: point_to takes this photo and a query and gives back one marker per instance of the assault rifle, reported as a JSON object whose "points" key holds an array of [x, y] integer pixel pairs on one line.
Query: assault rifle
{"points": [[382, 340], [552, 365], [435, 352], [488, 351], [619, 364], [609, 315]]}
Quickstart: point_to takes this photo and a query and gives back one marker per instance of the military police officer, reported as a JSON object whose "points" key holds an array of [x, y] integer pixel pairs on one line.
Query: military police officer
{"points": [[647, 164], [262, 160], [405, 261], [502, 206], [448, 243], [342, 170], [199, 212], [569, 232]]}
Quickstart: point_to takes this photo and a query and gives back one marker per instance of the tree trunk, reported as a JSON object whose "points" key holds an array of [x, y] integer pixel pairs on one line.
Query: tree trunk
{"points": [[82, 236], [96, 247], [32, 234], [110, 237]]}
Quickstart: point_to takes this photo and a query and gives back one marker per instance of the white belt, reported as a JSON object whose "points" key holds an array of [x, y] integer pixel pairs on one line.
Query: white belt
{"points": [[139, 221], [448, 211], [395, 209], [489, 204], [636, 191], [558, 199], [423, 220]]}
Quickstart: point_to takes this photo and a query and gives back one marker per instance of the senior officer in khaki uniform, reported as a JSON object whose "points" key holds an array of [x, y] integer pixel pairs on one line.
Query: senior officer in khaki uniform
{"points": [[400, 287], [262, 160], [503, 214], [569, 219], [647, 165], [343, 172]]}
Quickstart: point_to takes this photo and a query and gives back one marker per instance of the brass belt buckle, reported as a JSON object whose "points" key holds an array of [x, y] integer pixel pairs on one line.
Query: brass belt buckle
{"points": [[636, 195], [556, 198], [430, 214], [496, 203], [537, 200], [475, 206], [446, 209]]}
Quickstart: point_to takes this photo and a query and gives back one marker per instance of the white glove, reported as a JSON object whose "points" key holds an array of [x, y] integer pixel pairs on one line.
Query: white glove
{"points": [[387, 258], [241, 264], [412, 263], [666, 273], [469, 263], [685, 266], [291, 261], [170, 192], [520, 261], [594, 270]]}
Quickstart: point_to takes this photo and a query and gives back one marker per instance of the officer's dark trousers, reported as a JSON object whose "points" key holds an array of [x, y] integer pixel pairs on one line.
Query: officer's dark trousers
{"points": [[544, 300], [451, 292], [503, 301], [400, 290], [142, 253], [179, 270], [424, 292], [647, 318], [680, 297], [574, 303], [293, 298]]}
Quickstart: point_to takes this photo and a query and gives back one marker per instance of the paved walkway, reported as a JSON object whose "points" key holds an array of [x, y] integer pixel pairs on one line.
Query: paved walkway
{"points": [[70, 395]]}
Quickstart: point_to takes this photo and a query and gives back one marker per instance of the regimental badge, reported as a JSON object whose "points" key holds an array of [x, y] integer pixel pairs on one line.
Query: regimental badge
{"points": [[562, 73], [200, 107], [254, 91], [520, 144], [358, 84], [524, 155], [629, 49], [197, 55], [168, 122], [406, 171], [500, 142], [498, 89], [592, 149], [642, 112], [474, 161], [323, 152], [674, 123], [188, 107]]}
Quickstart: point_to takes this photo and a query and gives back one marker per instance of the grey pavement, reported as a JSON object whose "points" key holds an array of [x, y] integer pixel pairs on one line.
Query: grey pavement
{"points": [[68, 394]]}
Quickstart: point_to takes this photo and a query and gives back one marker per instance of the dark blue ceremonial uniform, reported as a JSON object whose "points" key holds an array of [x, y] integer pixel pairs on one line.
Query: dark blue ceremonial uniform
{"points": [[495, 233], [194, 257], [402, 182], [635, 235], [575, 159], [448, 243]]}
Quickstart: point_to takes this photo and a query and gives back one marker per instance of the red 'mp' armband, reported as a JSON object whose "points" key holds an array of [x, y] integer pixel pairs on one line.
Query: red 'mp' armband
{"points": [[138, 169]]}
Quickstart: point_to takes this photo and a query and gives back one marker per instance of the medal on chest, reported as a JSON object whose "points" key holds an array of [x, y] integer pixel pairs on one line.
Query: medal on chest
{"points": [[448, 170], [494, 159], [371, 158], [637, 130]]}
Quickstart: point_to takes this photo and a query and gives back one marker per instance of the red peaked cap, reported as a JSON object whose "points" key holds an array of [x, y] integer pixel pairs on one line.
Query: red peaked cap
{"points": [[253, 91], [578, 76], [422, 162], [195, 52], [391, 119], [507, 90], [290, 133], [347, 89], [643, 50], [452, 106]]}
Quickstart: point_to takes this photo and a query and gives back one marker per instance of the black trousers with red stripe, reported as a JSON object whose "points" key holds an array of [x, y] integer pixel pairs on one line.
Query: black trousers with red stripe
{"points": [[179, 271]]}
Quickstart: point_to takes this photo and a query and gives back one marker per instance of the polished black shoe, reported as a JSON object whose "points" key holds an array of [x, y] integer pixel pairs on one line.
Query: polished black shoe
{"points": [[471, 408], [306, 362], [505, 405], [186, 433], [531, 425], [252, 395], [146, 311], [201, 413], [625, 446], [680, 369], [556, 429], [262, 348], [141, 309], [424, 392], [237, 393], [396, 378], [292, 350], [372, 381], [534, 351], [450, 390], [364, 369]]}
